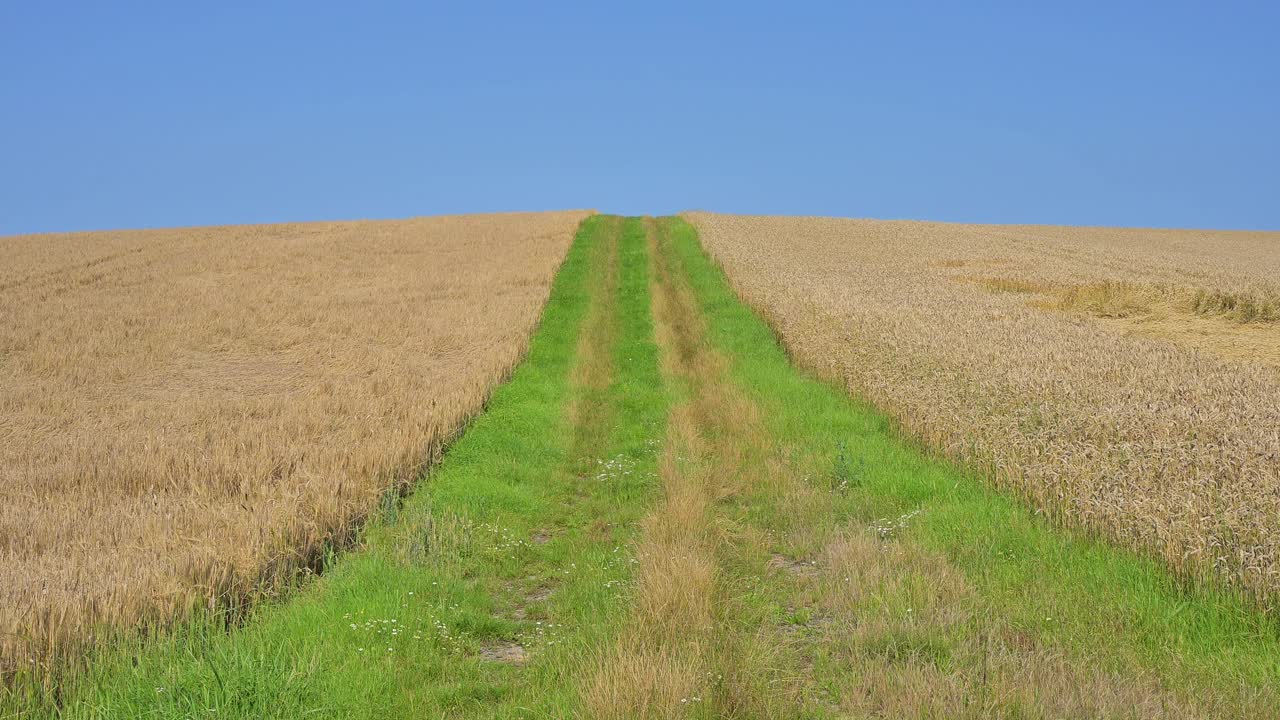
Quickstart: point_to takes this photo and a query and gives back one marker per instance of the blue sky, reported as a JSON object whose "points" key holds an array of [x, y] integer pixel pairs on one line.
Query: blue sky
{"points": [[1109, 113]]}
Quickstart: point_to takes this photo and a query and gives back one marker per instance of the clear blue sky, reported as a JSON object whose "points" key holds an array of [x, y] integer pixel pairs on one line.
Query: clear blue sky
{"points": [[140, 115]]}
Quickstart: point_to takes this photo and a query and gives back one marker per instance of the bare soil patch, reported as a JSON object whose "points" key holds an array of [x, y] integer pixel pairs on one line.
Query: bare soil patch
{"points": [[507, 652], [792, 566]]}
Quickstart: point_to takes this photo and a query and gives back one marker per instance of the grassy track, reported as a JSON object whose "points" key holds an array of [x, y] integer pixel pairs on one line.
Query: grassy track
{"points": [[658, 517]]}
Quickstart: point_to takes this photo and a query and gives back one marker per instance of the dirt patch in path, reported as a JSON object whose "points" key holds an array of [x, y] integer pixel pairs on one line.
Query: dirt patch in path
{"points": [[507, 652], [804, 568]]}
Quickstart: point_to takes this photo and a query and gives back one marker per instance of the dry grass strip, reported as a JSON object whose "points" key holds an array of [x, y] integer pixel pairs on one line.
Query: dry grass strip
{"points": [[657, 666], [683, 651], [593, 370], [188, 417], [1152, 443], [916, 641]]}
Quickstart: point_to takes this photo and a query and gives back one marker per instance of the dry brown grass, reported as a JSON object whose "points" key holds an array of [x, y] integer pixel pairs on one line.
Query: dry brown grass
{"points": [[682, 651], [658, 664], [1154, 443], [915, 640], [189, 417]]}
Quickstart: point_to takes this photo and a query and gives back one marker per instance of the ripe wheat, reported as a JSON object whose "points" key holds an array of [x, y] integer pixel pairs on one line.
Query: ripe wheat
{"points": [[192, 416], [1157, 425]]}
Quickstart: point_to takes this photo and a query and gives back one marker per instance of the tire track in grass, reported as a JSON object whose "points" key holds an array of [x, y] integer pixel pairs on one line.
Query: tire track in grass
{"points": [[696, 644], [619, 411]]}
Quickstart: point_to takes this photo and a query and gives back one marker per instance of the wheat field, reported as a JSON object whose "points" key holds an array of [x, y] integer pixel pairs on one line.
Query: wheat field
{"points": [[1123, 380], [190, 417]]}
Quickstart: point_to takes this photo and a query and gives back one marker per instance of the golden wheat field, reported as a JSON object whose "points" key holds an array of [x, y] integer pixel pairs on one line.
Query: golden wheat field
{"points": [[190, 416], [1124, 380]]}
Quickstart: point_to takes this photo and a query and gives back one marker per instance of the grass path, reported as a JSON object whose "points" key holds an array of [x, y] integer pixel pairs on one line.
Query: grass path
{"points": [[659, 517], [691, 646]]}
